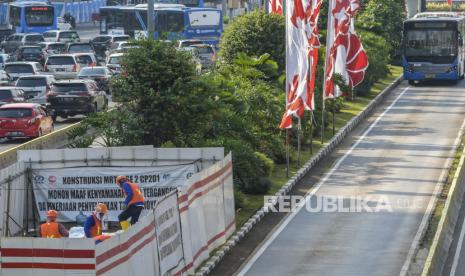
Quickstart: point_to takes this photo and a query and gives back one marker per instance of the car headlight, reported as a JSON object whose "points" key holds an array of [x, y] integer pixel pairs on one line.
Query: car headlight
{"points": [[452, 69]]}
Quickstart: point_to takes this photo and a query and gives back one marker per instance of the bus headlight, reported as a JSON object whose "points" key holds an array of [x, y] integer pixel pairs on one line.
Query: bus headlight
{"points": [[452, 69]]}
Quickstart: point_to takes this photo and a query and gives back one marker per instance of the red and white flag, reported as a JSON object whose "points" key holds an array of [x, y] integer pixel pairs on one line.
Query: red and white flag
{"points": [[449, 2], [275, 6], [301, 57], [344, 53]]}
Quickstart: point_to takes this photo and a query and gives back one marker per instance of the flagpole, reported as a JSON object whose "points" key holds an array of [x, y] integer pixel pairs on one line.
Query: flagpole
{"points": [[334, 116], [287, 88], [299, 134], [328, 37], [311, 133]]}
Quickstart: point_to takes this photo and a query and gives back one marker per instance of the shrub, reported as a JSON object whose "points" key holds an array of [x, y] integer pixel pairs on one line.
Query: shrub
{"points": [[255, 34], [378, 55]]}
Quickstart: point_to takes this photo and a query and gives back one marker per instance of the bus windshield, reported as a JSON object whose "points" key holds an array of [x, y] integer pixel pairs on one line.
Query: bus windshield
{"points": [[431, 43], [39, 16]]}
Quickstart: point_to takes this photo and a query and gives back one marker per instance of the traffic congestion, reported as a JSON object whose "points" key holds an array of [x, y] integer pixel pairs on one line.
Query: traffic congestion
{"points": [[48, 73]]}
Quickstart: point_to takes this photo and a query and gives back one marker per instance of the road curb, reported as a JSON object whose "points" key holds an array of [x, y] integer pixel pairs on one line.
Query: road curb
{"points": [[438, 252], [335, 141]]}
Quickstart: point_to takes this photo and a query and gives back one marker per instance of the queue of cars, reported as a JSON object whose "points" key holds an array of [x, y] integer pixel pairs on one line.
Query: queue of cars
{"points": [[50, 75], [55, 74]]}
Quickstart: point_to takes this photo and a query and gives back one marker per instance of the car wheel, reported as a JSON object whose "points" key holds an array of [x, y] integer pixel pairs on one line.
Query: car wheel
{"points": [[411, 82]]}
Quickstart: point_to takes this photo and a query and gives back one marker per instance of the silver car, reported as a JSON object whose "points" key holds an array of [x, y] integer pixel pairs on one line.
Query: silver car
{"points": [[36, 87], [65, 66], [23, 68]]}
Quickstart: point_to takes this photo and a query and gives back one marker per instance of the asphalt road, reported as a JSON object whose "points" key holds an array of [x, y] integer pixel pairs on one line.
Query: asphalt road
{"points": [[390, 172]]}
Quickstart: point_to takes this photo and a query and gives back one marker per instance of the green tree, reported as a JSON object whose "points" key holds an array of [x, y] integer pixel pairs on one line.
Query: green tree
{"points": [[255, 34], [162, 92], [385, 18]]}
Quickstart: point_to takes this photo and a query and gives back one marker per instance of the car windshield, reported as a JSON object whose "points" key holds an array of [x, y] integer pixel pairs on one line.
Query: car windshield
{"points": [[34, 38], [18, 68], [92, 72], [67, 60], [204, 50], [115, 60], [121, 38], [68, 87], [5, 94], [85, 59], [68, 35], [32, 50], [15, 112], [100, 39], [50, 34], [80, 48], [31, 82], [57, 47]]}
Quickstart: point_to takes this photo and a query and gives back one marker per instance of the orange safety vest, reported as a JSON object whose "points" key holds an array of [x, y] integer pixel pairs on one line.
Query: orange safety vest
{"points": [[50, 230], [136, 194], [96, 230]]}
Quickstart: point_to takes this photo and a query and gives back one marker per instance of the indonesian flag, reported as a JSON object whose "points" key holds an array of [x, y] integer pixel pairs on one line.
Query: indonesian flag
{"points": [[301, 57], [275, 6], [449, 2], [344, 54]]}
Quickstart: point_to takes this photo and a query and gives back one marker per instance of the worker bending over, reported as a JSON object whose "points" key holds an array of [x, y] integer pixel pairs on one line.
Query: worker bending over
{"points": [[134, 202], [51, 228], [93, 224]]}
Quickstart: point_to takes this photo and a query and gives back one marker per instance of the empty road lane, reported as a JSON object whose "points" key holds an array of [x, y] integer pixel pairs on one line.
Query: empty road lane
{"points": [[395, 164]]}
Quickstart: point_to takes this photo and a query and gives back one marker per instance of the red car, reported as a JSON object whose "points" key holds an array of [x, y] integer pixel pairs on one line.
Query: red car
{"points": [[24, 120]]}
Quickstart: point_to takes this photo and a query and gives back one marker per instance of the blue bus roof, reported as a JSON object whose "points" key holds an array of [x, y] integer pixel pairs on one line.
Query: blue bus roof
{"points": [[172, 7], [29, 3]]}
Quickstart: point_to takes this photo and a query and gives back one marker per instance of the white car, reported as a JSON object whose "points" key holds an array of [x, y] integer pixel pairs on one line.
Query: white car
{"points": [[22, 68], [61, 36], [3, 59], [65, 66], [36, 87], [114, 62]]}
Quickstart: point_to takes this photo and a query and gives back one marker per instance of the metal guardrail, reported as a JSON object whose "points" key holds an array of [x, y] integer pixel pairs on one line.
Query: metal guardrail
{"points": [[56, 139]]}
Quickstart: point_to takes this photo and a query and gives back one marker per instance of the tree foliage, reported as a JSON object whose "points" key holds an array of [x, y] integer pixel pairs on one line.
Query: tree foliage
{"points": [[384, 18], [255, 34]]}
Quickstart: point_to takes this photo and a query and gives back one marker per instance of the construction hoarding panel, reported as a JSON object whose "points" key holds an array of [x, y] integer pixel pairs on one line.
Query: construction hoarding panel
{"points": [[70, 190]]}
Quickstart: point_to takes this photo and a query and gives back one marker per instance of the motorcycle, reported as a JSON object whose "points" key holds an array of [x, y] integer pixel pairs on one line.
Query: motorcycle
{"points": [[70, 19]]}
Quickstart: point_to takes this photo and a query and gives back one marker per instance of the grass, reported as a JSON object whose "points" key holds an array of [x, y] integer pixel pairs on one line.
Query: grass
{"points": [[427, 239], [351, 108]]}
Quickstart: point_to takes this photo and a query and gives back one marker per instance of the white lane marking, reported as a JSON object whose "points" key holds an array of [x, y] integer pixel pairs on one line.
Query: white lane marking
{"points": [[267, 243], [458, 250], [431, 204]]}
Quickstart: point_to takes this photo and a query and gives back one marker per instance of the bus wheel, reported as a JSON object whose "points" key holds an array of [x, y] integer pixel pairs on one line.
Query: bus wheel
{"points": [[411, 82]]}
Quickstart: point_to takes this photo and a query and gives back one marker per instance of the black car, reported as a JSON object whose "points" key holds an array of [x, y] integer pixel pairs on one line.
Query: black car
{"points": [[102, 43], [80, 47], [30, 53], [75, 97]]}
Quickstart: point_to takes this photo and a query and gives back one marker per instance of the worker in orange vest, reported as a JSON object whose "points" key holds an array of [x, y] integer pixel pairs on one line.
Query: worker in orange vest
{"points": [[51, 228], [134, 202], [93, 224]]}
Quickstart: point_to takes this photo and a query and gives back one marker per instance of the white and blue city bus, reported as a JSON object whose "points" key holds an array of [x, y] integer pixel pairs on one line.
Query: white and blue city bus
{"points": [[172, 22], [432, 47], [32, 17]]}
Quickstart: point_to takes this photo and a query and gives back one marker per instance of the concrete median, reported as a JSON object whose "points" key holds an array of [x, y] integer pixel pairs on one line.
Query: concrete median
{"points": [[442, 241]]}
